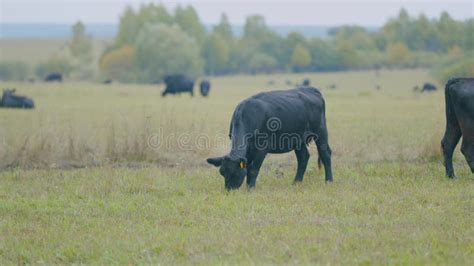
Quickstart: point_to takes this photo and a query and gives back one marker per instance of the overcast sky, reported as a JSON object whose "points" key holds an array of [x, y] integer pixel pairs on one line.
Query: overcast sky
{"points": [[283, 12]]}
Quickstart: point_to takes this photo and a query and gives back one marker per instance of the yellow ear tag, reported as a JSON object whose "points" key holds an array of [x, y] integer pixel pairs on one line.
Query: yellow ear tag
{"points": [[242, 165]]}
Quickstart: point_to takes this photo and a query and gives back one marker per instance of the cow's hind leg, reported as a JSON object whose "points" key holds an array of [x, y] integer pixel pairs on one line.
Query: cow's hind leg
{"points": [[448, 144], [324, 152], [302, 155]]}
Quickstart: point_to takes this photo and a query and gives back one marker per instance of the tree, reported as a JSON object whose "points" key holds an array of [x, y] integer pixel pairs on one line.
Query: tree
{"points": [[468, 42], [188, 19], [80, 45], [259, 39], [217, 54], [151, 13], [128, 28], [347, 54], [398, 53], [301, 58], [261, 62], [162, 49], [224, 29], [54, 64], [131, 22], [324, 55], [119, 64], [14, 71]]}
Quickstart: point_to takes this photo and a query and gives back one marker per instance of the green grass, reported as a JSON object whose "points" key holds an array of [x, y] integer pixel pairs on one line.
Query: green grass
{"points": [[132, 203]]}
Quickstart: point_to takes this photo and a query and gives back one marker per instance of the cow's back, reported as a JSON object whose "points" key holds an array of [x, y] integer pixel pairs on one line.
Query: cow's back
{"points": [[298, 110]]}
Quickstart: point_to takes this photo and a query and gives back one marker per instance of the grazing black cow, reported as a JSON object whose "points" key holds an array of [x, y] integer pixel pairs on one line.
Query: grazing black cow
{"points": [[176, 84], [306, 82], [428, 87], [107, 81], [459, 96], [54, 77], [275, 122], [205, 87], [10, 100]]}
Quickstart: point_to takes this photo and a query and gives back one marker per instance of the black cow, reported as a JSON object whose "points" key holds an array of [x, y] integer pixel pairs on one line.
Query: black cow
{"points": [[107, 81], [176, 84], [10, 100], [205, 87], [459, 96], [428, 87], [306, 82], [54, 77], [275, 122]]}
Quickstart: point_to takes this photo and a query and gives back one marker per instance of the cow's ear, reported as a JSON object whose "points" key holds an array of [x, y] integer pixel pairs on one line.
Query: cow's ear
{"points": [[216, 161]]}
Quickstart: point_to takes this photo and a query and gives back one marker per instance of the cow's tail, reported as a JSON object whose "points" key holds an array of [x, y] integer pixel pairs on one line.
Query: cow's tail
{"points": [[447, 93], [319, 162]]}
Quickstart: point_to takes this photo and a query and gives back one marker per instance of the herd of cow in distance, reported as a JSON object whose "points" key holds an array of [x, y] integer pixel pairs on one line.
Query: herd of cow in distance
{"points": [[288, 120]]}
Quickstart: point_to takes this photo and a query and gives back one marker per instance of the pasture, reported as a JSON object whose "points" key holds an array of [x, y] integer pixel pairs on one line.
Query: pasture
{"points": [[117, 174]]}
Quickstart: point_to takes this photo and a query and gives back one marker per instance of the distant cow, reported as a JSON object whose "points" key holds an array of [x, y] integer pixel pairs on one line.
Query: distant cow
{"points": [[306, 82], [275, 122], [10, 100], [54, 77], [176, 84], [428, 87], [459, 96], [107, 81], [205, 87], [332, 86]]}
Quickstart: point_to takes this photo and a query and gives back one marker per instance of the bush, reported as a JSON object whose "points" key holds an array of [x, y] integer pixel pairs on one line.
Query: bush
{"points": [[118, 64], [14, 71], [54, 64], [459, 66], [261, 62], [398, 54]]}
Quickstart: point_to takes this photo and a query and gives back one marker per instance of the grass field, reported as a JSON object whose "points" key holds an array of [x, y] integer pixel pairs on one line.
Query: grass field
{"points": [[117, 174]]}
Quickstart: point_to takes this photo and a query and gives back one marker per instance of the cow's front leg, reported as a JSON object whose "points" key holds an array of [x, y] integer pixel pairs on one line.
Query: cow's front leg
{"points": [[302, 155], [253, 169]]}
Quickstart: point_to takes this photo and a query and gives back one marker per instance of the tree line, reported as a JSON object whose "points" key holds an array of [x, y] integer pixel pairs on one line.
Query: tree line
{"points": [[153, 41]]}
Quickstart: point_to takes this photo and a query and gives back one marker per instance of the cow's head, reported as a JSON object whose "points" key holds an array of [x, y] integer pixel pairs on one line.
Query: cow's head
{"points": [[233, 170], [467, 148]]}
